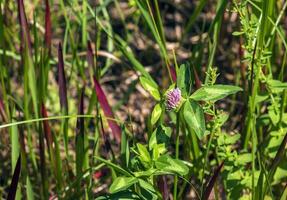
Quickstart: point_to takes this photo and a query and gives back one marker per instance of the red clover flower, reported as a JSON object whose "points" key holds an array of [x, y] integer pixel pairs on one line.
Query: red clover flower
{"points": [[173, 99]]}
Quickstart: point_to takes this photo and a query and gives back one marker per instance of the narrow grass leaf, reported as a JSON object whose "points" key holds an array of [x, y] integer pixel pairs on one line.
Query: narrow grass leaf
{"points": [[30, 193], [148, 16], [125, 150], [43, 119], [90, 57], [43, 171], [15, 180], [107, 110], [211, 182], [114, 166], [52, 147], [194, 16], [80, 131], [15, 149], [14, 145], [27, 60]]}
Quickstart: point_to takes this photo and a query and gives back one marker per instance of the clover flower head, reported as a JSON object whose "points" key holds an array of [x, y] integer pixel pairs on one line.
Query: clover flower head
{"points": [[173, 99]]}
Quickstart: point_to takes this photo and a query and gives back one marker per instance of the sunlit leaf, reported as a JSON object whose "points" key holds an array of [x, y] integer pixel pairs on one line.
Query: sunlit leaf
{"points": [[214, 92], [122, 183], [156, 113]]}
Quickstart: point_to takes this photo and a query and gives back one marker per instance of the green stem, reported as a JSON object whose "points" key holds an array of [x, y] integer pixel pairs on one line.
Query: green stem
{"points": [[176, 156], [206, 158]]}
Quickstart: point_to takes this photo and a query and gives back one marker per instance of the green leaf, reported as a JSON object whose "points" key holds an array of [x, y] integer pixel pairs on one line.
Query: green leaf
{"points": [[143, 153], [273, 145], [168, 164], [122, 183], [194, 117], [214, 92], [261, 97], [160, 135], [280, 173], [183, 79], [277, 86], [158, 150], [155, 115], [146, 185], [151, 87], [243, 159], [237, 33], [123, 195], [146, 173], [231, 139], [147, 190], [274, 113]]}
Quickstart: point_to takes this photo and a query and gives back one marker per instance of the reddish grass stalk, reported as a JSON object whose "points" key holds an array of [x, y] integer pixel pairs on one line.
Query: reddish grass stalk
{"points": [[15, 179], [90, 55], [2, 111], [163, 187], [107, 111], [173, 74], [25, 36], [47, 130], [62, 80], [198, 83], [48, 26], [211, 182]]}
